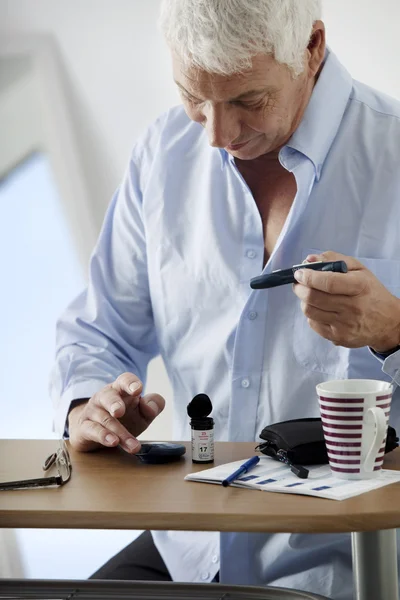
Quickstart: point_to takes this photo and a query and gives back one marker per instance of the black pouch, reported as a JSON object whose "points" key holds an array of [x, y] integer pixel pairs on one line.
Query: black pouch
{"points": [[301, 442]]}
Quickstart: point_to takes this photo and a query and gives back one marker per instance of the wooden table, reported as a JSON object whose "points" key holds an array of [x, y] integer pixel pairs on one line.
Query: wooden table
{"points": [[112, 490]]}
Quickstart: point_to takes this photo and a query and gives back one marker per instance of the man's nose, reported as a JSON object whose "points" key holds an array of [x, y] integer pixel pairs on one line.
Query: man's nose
{"points": [[221, 125]]}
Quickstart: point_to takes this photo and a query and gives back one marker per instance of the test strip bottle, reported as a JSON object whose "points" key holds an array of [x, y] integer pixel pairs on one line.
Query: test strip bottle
{"points": [[202, 427]]}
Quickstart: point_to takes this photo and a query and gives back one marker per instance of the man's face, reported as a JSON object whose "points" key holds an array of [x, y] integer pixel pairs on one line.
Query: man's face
{"points": [[248, 114]]}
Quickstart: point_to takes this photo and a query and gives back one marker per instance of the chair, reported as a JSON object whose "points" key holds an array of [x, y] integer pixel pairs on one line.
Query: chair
{"points": [[141, 590]]}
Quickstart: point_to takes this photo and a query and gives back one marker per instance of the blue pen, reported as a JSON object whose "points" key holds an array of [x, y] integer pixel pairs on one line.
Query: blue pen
{"points": [[245, 468]]}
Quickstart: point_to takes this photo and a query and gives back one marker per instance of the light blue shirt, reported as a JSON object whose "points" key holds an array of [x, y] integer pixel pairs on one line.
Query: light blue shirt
{"points": [[170, 274]]}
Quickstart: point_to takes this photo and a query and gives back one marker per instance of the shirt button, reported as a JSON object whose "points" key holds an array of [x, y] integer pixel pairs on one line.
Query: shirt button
{"points": [[252, 315], [215, 559], [245, 383], [251, 254], [205, 575]]}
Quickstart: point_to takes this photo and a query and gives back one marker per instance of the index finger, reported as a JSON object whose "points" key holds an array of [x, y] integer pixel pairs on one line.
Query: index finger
{"points": [[352, 263], [343, 284]]}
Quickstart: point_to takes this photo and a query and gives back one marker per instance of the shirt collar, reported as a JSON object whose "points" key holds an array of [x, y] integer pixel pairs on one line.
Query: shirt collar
{"points": [[323, 115]]}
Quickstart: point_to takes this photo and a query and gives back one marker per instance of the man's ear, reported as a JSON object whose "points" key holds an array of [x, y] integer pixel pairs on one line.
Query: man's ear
{"points": [[316, 48]]}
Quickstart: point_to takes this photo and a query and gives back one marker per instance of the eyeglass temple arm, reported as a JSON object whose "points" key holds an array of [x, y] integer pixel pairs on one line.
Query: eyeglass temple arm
{"points": [[31, 483]]}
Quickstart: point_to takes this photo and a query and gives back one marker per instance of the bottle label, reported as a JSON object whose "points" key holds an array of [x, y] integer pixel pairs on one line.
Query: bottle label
{"points": [[203, 444]]}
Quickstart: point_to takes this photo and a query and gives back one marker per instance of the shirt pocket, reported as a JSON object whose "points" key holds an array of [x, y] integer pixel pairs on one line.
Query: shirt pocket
{"points": [[315, 353]]}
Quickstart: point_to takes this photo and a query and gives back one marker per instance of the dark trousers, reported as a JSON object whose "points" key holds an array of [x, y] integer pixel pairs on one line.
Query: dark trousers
{"points": [[140, 561]]}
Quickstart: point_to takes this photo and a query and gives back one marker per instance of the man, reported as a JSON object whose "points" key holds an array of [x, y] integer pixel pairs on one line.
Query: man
{"points": [[276, 156]]}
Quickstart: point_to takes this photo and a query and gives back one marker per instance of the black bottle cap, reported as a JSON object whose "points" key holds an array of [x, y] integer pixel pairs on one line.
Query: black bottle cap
{"points": [[200, 407]]}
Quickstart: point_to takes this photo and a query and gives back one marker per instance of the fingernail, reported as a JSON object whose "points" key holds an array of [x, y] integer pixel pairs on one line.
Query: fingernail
{"points": [[134, 386], [299, 275], [115, 407], [111, 439], [131, 444], [153, 405]]}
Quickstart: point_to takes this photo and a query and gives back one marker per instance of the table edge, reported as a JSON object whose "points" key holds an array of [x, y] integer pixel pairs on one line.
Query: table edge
{"points": [[165, 521]]}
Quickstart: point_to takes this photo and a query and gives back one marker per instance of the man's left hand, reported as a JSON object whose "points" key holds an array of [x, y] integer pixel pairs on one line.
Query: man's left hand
{"points": [[351, 309]]}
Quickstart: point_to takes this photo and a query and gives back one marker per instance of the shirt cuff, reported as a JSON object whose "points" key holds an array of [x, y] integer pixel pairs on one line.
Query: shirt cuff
{"points": [[390, 365]]}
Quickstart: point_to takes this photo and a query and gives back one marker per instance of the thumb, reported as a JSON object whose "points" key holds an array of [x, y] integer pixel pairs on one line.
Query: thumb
{"points": [[151, 405]]}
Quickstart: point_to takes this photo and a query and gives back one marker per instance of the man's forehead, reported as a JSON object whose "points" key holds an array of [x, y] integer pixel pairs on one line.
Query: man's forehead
{"points": [[261, 75]]}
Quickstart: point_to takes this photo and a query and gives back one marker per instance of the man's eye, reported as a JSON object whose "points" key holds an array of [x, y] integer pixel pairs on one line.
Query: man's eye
{"points": [[190, 99], [249, 105]]}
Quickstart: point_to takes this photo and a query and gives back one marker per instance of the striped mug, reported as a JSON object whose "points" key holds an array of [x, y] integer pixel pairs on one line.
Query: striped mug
{"points": [[355, 415]]}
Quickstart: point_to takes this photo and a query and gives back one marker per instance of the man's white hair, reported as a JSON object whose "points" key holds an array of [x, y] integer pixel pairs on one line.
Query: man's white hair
{"points": [[222, 36]]}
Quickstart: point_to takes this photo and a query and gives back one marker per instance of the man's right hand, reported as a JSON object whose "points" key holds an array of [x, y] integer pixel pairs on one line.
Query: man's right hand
{"points": [[114, 415]]}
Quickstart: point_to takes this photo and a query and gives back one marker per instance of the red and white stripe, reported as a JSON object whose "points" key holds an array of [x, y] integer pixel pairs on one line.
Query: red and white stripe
{"points": [[342, 421]]}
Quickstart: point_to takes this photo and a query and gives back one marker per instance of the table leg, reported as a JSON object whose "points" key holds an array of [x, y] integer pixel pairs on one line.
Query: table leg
{"points": [[375, 565]]}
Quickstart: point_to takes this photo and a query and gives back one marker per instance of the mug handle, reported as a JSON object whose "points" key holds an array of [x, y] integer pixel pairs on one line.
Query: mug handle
{"points": [[379, 417]]}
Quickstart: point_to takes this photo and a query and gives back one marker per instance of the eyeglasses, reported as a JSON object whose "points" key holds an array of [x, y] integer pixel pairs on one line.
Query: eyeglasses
{"points": [[60, 459]]}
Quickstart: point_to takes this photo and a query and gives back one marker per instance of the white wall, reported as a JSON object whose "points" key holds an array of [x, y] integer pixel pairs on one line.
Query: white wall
{"points": [[117, 71], [365, 36], [118, 79]]}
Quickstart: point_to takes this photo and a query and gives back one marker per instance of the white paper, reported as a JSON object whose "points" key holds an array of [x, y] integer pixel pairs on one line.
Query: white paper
{"points": [[271, 476]]}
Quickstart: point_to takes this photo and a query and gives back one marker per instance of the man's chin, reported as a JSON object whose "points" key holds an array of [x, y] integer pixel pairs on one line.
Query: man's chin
{"points": [[251, 151], [246, 153]]}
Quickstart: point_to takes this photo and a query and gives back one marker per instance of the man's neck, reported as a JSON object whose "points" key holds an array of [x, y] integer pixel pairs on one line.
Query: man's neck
{"points": [[262, 164]]}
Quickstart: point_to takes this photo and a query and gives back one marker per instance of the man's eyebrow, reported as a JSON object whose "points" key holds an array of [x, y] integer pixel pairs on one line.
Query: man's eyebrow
{"points": [[249, 94], [266, 90], [182, 88]]}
